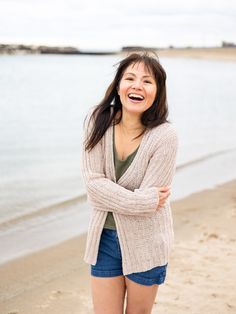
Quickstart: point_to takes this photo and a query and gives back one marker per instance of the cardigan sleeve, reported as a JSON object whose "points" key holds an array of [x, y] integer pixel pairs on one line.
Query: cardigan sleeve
{"points": [[106, 195]]}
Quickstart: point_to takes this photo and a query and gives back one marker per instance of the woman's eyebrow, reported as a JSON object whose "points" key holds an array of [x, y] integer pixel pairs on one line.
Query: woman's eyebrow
{"points": [[130, 73]]}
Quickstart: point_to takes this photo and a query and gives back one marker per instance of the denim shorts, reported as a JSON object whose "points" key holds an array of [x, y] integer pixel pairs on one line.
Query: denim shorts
{"points": [[109, 262]]}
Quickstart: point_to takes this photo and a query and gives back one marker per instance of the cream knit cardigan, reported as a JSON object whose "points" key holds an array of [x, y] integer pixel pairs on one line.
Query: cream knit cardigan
{"points": [[145, 233]]}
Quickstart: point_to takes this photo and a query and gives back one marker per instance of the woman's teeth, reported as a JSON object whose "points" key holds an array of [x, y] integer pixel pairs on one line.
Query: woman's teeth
{"points": [[136, 97]]}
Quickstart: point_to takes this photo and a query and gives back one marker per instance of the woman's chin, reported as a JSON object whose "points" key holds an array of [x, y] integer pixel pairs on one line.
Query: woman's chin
{"points": [[135, 109]]}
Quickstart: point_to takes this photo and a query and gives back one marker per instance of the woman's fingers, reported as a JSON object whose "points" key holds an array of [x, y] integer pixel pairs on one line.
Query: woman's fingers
{"points": [[163, 193], [164, 188]]}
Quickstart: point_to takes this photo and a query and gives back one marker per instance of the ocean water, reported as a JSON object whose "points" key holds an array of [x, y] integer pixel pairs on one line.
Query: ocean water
{"points": [[43, 102]]}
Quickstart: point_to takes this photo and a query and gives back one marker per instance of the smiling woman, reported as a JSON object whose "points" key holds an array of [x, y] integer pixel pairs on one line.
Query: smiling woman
{"points": [[137, 89], [128, 164]]}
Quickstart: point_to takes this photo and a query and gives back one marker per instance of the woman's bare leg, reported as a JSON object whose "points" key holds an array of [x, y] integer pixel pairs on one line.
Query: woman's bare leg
{"points": [[140, 299], [108, 294]]}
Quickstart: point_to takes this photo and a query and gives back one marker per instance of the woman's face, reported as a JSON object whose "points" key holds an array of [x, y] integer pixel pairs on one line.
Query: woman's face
{"points": [[137, 89]]}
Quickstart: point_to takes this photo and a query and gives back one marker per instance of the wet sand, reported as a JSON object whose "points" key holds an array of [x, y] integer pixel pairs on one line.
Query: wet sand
{"points": [[201, 275]]}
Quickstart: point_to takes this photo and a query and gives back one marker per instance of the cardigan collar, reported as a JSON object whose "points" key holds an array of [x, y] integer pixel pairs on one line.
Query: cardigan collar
{"points": [[125, 178]]}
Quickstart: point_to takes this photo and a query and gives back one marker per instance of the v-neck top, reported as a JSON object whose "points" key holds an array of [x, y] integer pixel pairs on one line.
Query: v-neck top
{"points": [[120, 167]]}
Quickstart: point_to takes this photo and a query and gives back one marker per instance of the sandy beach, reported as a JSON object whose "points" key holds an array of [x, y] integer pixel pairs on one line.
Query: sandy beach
{"points": [[223, 54], [211, 53], [201, 276]]}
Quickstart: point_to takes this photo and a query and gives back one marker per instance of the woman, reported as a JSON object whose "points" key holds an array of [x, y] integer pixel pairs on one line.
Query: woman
{"points": [[128, 165]]}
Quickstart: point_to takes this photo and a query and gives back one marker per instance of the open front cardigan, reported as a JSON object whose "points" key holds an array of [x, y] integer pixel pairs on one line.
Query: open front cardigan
{"points": [[145, 233]]}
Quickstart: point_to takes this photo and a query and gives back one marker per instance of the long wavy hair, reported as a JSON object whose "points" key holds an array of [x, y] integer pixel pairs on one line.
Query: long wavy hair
{"points": [[103, 116]]}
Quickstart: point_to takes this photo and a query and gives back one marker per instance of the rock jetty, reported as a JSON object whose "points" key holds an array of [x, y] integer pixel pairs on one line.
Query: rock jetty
{"points": [[14, 49]]}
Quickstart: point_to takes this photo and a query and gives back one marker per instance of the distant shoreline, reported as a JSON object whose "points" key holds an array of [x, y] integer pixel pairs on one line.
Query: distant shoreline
{"points": [[21, 49], [216, 53]]}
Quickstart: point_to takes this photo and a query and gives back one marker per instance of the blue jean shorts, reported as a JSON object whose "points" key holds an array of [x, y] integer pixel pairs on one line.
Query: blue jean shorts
{"points": [[109, 262]]}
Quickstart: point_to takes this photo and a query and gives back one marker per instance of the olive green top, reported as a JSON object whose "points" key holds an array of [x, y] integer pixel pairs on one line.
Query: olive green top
{"points": [[120, 167]]}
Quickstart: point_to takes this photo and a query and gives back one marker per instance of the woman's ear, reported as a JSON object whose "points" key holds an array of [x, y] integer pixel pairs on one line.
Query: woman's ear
{"points": [[118, 90]]}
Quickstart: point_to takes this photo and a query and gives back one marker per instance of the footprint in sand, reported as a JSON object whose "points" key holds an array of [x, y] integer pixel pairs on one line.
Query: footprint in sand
{"points": [[57, 294], [213, 236], [61, 294], [230, 306], [208, 236]]}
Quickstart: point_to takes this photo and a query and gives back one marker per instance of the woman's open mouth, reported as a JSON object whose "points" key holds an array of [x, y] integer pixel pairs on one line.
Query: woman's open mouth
{"points": [[135, 97]]}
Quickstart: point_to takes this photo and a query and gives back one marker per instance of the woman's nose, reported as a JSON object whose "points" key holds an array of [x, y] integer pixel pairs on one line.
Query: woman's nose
{"points": [[137, 84]]}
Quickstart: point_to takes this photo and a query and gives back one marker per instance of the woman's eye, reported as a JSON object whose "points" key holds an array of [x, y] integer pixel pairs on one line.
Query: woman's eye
{"points": [[129, 78], [149, 82]]}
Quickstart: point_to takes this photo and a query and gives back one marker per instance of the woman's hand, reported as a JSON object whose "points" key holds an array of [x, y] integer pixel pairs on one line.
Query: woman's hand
{"points": [[163, 193]]}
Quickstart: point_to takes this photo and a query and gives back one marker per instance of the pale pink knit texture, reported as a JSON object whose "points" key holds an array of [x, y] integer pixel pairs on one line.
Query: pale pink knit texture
{"points": [[145, 233]]}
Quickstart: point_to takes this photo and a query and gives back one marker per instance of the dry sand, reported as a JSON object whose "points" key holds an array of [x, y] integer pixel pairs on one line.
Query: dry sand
{"points": [[201, 276], [220, 54], [223, 54]]}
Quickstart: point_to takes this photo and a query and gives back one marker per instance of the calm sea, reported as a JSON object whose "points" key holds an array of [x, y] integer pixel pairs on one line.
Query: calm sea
{"points": [[43, 101]]}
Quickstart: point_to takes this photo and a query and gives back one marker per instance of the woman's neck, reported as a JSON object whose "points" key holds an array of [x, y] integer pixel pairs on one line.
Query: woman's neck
{"points": [[131, 124]]}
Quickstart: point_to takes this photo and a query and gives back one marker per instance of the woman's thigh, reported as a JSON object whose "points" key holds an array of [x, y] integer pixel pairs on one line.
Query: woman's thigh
{"points": [[108, 294], [140, 298]]}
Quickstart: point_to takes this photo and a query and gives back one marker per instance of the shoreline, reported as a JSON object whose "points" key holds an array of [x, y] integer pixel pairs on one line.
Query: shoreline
{"points": [[39, 230], [225, 53], [200, 276]]}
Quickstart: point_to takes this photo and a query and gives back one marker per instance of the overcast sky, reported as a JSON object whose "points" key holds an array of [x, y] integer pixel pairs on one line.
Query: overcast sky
{"points": [[107, 24]]}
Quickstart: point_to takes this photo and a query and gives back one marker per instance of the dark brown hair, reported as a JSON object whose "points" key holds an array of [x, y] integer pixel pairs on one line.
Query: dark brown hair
{"points": [[157, 114]]}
